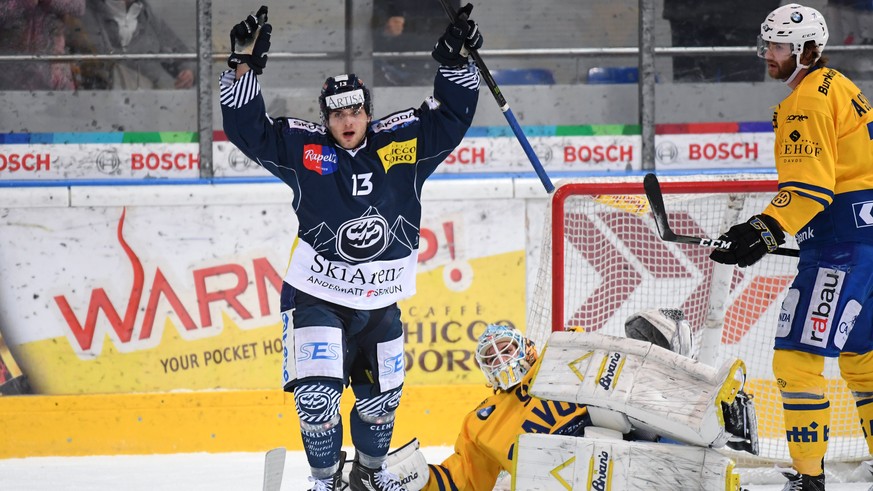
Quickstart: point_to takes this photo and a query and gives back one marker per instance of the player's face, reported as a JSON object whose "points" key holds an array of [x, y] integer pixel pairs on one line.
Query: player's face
{"points": [[348, 126], [780, 61], [501, 352]]}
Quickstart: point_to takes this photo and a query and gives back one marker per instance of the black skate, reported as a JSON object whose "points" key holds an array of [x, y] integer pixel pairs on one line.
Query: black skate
{"points": [[365, 479], [802, 482]]}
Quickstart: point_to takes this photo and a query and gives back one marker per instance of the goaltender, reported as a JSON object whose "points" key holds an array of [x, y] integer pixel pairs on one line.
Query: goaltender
{"points": [[486, 444]]}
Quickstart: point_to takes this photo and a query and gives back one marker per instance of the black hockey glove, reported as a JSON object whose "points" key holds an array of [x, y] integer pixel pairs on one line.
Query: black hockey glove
{"points": [[250, 42], [453, 46], [750, 241]]}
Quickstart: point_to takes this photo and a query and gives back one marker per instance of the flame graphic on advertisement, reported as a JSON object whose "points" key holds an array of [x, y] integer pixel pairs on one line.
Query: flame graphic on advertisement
{"points": [[100, 301]]}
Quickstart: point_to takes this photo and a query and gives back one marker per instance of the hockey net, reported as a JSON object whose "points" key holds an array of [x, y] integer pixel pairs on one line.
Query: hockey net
{"points": [[602, 260]]}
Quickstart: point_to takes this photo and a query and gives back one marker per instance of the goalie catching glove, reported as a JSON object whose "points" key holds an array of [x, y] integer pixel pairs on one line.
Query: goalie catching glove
{"points": [[750, 241], [250, 42], [461, 36]]}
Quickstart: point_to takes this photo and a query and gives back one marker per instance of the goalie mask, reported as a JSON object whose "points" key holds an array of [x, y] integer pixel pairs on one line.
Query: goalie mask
{"points": [[343, 91], [666, 328], [504, 355]]}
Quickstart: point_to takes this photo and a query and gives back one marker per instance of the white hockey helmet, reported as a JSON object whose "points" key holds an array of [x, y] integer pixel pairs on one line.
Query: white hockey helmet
{"points": [[666, 328], [504, 355], [794, 24]]}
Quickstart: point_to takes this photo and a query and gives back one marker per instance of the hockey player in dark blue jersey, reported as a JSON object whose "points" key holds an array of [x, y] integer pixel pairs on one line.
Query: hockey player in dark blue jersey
{"points": [[357, 196]]}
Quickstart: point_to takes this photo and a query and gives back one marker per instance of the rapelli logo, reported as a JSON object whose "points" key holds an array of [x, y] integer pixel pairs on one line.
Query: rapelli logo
{"points": [[320, 159], [613, 368], [603, 472], [394, 153]]}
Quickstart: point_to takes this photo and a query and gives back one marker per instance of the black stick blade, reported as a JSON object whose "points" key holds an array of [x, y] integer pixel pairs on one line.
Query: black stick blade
{"points": [[656, 203]]}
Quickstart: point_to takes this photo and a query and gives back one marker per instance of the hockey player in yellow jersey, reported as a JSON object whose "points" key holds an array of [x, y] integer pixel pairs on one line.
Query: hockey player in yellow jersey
{"points": [[824, 159], [486, 443]]}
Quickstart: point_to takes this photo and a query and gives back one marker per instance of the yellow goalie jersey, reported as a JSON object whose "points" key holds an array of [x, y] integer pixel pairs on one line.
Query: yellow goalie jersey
{"points": [[486, 443], [824, 157]]}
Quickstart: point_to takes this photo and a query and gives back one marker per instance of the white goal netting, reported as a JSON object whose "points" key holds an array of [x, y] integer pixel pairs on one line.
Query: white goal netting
{"points": [[602, 260]]}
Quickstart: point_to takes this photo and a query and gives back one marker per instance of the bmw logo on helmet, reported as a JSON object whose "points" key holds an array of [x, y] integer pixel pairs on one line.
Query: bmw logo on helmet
{"points": [[796, 17]]}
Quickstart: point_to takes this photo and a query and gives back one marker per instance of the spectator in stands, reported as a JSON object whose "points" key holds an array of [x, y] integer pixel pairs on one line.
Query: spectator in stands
{"points": [[36, 27], [851, 23], [696, 24], [406, 25], [129, 26]]}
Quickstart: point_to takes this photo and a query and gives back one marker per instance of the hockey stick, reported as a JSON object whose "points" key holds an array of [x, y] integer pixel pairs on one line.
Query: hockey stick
{"points": [[274, 467], [507, 112], [659, 211]]}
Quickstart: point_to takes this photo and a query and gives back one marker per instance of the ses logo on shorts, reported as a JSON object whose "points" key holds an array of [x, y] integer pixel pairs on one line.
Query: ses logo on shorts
{"points": [[319, 158]]}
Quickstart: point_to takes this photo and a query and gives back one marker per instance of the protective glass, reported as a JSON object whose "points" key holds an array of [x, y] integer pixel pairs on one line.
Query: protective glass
{"points": [[781, 51]]}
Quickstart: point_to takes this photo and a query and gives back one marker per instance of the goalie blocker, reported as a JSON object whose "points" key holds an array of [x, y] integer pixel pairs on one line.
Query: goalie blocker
{"points": [[635, 384]]}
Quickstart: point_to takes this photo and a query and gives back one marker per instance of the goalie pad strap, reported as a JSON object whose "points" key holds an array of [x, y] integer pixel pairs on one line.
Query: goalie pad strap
{"points": [[658, 390], [565, 462]]}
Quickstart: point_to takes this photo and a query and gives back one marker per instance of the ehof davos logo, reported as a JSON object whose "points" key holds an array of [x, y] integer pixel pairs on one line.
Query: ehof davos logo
{"points": [[363, 238], [796, 17], [108, 162]]}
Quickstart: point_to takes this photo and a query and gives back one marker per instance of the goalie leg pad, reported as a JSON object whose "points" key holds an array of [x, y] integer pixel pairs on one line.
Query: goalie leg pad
{"points": [[407, 462], [661, 391], [566, 462]]}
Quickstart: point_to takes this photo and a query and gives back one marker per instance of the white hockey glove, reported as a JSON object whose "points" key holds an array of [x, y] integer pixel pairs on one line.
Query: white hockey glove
{"points": [[250, 42], [666, 328]]}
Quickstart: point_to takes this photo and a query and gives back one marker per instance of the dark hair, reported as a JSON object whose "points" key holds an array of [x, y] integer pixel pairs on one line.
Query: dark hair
{"points": [[810, 50]]}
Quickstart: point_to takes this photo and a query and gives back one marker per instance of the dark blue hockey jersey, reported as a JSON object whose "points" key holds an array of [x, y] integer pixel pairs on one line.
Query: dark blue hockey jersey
{"points": [[359, 211]]}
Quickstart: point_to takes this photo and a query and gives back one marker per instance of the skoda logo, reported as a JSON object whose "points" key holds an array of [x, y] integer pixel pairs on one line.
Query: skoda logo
{"points": [[666, 152], [796, 17], [108, 162], [363, 238]]}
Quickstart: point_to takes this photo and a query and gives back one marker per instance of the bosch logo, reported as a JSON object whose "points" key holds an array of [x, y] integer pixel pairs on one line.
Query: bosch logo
{"points": [[543, 152], [363, 238], [108, 162], [237, 161], [666, 152]]}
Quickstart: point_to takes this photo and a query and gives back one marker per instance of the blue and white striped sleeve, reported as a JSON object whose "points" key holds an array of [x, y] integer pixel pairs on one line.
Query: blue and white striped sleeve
{"points": [[237, 93]]}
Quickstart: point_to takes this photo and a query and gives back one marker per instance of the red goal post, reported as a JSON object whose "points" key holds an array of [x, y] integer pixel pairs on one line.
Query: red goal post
{"points": [[602, 260]]}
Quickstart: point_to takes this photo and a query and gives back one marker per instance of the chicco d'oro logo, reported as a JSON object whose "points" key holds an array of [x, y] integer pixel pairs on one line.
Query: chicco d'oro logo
{"points": [[398, 153], [362, 239]]}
